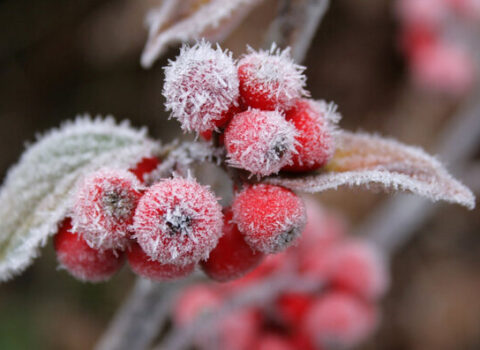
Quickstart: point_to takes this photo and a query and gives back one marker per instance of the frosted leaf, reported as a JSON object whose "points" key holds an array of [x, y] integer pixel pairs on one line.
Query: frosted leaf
{"points": [[187, 20], [36, 193], [363, 159]]}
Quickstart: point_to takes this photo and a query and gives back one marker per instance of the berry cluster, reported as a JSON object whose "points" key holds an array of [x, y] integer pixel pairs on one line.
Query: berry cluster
{"points": [[164, 230], [438, 60], [339, 314], [255, 107]]}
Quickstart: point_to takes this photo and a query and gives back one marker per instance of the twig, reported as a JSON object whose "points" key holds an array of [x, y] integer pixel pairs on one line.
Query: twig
{"points": [[296, 24], [395, 221], [138, 321]]}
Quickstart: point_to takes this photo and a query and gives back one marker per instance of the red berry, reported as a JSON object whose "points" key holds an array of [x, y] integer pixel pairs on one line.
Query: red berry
{"points": [[315, 144], [178, 221], [270, 80], [103, 208], [232, 257], [291, 307], [194, 302], [339, 320], [271, 217], [144, 167], [81, 261], [201, 85], [261, 142], [143, 265], [358, 267]]}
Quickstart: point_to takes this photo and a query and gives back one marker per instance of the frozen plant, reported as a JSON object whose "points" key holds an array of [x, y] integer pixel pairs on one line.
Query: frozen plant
{"points": [[106, 190]]}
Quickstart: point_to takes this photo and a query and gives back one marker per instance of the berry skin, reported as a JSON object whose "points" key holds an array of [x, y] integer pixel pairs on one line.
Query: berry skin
{"points": [[81, 261], [270, 80], [178, 221], [271, 217], [194, 302], [232, 257], [314, 122], [261, 142], [339, 320], [358, 267], [144, 167], [103, 208], [201, 86], [142, 265]]}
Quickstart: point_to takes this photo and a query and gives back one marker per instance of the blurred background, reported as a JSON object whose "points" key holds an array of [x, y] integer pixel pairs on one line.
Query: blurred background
{"points": [[63, 58]]}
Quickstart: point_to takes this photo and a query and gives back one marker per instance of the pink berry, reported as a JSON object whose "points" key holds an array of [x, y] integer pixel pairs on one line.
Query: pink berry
{"points": [[358, 267], [261, 142], [271, 217], [238, 330], [144, 167], [322, 230], [270, 80], [445, 68], [339, 320], [143, 265], [273, 342], [232, 257], [201, 85], [314, 122], [194, 302], [81, 261], [178, 221], [103, 208]]}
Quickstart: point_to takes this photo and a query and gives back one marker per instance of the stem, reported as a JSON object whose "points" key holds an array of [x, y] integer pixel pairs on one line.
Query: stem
{"points": [[391, 225], [140, 318], [296, 24]]}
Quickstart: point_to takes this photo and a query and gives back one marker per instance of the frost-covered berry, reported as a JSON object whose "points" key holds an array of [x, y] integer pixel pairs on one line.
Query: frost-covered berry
{"points": [[261, 142], [271, 217], [339, 320], [103, 207], [144, 167], [358, 267], [178, 221], [270, 80], [201, 85], [232, 257], [143, 265], [195, 302], [315, 142], [81, 261]]}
